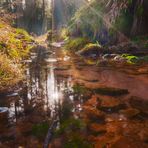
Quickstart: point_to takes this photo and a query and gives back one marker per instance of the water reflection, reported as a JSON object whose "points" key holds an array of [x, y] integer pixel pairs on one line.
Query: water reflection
{"points": [[44, 91], [55, 87]]}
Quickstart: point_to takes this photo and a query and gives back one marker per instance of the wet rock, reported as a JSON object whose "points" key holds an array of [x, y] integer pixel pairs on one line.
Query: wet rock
{"points": [[91, 81], [13, 94], [109, 56], [91, 50], [119, 58], [115, 117], [130, 112], [125, 142], [143, 134], [62, 68], [139, 103], [111, 105], [111, 91], [94, 115], [97, 129]]}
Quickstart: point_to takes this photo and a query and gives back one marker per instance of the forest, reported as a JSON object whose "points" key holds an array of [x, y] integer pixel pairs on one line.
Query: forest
{"points": [[73, 73]]}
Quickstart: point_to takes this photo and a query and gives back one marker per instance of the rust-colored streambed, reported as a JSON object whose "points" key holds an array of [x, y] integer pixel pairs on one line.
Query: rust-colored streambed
{"points": [[112, 104]]}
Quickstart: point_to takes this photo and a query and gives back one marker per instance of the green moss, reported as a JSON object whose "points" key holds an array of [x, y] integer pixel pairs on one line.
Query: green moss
{"points": [[18, 45], [130, 58], [76, 44], [23, 34], [111, 91], [90, 46], [15, 45], [9, 73]]}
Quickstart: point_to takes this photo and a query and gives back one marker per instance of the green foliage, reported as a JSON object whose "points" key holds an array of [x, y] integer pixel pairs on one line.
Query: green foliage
{"points": [[24, 34], [40, 130], [141, 40], [130, 58], [66, 110], [70, 125], [76, 44], [88, 20], [14, 46], [124, 22], [18, 45]]}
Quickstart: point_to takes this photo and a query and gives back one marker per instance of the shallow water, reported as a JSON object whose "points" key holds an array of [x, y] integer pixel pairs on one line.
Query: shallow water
{"points": [[54, 78]]}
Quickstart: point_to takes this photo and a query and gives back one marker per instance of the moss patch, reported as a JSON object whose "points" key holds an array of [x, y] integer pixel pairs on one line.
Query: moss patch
{"points": [[15, 45], [76, 44]]}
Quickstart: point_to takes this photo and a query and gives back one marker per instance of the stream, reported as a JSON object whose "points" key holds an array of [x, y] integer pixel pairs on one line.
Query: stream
{"points": [[54, 77]]}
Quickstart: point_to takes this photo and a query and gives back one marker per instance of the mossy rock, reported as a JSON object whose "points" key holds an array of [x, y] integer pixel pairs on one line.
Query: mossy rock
{"points": [[91, 50], [109, 91], [76, 44]]}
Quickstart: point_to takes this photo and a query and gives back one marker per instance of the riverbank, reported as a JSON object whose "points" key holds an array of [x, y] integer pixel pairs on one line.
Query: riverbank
{"points": [[15, 45]]}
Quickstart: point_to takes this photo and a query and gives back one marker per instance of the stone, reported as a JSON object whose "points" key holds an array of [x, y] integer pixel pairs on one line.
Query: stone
{"points": [[130, 112], [139, 103], [111, 105]]}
